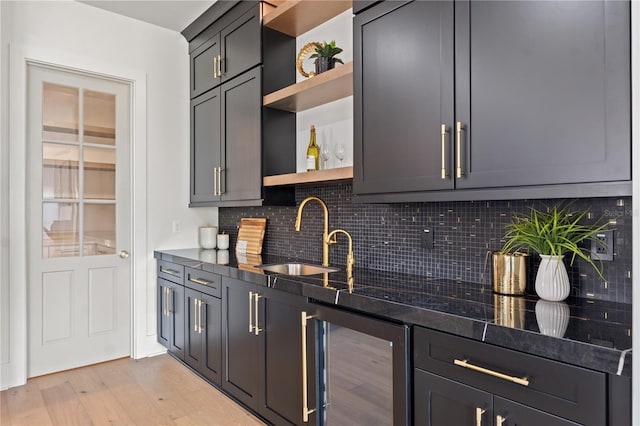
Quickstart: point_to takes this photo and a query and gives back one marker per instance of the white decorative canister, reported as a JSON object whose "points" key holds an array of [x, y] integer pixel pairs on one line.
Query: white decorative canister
{"points": [[223, 241], [552, 280], [208, 236], [552, 317]]}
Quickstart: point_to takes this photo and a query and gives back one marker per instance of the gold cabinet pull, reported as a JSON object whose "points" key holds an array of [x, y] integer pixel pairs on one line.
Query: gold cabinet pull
{"points": [[479, 413], [215, 181], [195, 315], [305, 394], [220, 192], [256, 327], [464, 363], [219, 66], [215, 67], [459, 130], [250, 312], [200, 323], [500, 420], [169, 271], [444, 173], [165, 311], [169, 301], [199, 281]]}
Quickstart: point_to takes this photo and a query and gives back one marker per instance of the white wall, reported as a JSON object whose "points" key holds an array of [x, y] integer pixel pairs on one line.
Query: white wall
{"points": [[333, 121], [155, 59]]}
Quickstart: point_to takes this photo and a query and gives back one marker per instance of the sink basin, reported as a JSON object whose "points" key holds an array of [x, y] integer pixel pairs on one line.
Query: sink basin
{"points": [[297, 268]]}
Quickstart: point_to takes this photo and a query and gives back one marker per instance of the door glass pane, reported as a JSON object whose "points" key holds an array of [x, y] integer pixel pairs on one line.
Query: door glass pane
{"points": [[60, 112], [59, 171], [60, 230], [99, 228], [359, 378], [99, 118], [99, 173]]}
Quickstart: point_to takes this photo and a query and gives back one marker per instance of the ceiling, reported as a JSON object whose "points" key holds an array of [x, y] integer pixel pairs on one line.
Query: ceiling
{"points": [[172, 14]]}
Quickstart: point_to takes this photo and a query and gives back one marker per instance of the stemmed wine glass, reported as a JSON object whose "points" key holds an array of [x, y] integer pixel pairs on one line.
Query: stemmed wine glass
{"points": [[324, 154], [340, 152]]}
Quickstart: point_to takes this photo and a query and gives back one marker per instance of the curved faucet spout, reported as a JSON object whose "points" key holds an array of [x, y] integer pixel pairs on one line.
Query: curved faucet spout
{"points": [[325, 233]]}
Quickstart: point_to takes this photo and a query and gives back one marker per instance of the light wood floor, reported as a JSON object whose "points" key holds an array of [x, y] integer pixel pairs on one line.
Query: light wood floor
{"points": [[151, 391]]}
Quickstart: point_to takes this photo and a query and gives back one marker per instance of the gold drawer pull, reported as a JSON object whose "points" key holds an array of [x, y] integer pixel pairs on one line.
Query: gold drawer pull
{"points": [[464, 363], [170, 272], [199, 281]]}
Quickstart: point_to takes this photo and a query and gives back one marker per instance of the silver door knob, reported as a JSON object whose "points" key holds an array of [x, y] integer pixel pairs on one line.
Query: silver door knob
{"points": [[124, 254]]}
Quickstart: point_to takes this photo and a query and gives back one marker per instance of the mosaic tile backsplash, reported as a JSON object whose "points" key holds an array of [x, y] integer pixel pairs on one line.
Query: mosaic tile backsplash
{"points": [[386, 237]]}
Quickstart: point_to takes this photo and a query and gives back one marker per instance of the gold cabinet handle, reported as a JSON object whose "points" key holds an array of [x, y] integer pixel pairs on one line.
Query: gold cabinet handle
{"points": [[500, 420], [199, 281], [256, 327], [459, 130], [464, 363], [170, 302], [305, 395], [219, 66], [215, 181], [195, 315], [201, 304], [444, 173], [479, 413], [220, 191], [169, 271], [165, 311], [215, 67], [250, 312]]}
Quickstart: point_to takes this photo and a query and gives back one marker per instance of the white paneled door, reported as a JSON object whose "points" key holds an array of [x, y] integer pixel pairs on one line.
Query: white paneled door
{"points": [[78, 189]]}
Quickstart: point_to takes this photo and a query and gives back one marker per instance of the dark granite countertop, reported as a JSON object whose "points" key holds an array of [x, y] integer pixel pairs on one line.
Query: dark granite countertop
{"points": [[588, 333]]}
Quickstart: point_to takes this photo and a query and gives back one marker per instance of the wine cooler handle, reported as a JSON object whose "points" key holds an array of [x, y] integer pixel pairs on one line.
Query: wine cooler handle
{"points": [[305, 393]]}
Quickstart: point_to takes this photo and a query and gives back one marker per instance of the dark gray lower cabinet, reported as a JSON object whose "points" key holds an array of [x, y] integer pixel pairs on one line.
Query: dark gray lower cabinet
{"points": [[262, 358], [203, 334], [171, 316], [442, 402]]}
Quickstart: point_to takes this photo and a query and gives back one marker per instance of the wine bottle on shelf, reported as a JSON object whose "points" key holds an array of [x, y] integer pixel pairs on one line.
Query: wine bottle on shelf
{"points": [[312, 151]]}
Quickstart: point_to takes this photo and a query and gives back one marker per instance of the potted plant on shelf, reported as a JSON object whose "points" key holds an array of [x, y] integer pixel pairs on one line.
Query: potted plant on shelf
{"points": [[554, 234], [325, 56]]}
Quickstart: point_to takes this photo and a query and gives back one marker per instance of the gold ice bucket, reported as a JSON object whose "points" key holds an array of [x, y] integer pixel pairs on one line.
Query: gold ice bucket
{"points": [[509, 273]]}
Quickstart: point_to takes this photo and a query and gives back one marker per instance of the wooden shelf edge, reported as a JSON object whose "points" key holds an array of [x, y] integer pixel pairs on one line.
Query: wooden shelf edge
{"points": [[295, 17], [329, 175], [315, 91]]}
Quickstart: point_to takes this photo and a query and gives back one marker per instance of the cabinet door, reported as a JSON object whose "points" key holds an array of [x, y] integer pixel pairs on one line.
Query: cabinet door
{"points": [[240, 345], [543, 90], [509, 413], [212, 338], [176, 319], [241, 133], [439, 401], [205, 146], [281, 356], [193, 346], [240, 44], [204, 66], [164, 316], [403, 97]]}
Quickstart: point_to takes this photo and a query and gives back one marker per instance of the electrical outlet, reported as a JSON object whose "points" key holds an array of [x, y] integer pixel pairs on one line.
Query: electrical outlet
{"points": [[176, 226], [426, 239], [602, 249]]}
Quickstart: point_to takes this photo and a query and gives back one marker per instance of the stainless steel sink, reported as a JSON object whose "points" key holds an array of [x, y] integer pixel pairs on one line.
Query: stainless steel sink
{"points": [[297, 268]]}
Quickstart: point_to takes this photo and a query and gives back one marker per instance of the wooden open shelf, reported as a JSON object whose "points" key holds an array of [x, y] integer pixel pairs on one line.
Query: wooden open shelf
{"points": [[329, 175], [295, 17], [317, 90]]}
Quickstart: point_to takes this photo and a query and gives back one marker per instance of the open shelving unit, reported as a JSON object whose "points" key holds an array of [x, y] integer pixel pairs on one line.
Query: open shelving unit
{"points": [[329, 175], [295, 17], [318, 90]]}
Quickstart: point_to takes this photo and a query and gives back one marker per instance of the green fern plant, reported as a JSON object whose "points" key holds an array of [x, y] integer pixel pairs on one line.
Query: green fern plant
{"points": [[556, 232]]}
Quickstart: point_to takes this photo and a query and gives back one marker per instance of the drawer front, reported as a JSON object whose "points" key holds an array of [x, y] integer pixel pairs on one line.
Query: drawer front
{"points": [[571, 392], [171, 272], [205, 282]]}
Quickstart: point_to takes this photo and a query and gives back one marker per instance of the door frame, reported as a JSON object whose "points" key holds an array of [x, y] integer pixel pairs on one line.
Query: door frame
{"points": [[14, 372]]}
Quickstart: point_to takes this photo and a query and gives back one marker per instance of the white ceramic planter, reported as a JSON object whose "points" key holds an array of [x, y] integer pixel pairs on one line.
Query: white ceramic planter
{"points": [[552, 280]]}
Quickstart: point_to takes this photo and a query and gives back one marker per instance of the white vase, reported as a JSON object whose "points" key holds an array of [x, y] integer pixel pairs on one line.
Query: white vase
{"points": [[552, 280], [552, 317]]}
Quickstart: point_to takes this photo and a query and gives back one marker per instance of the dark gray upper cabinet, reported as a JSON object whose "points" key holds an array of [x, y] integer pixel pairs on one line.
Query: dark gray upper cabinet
{"points": [[234, 47], [226, 143], [533, 100]]}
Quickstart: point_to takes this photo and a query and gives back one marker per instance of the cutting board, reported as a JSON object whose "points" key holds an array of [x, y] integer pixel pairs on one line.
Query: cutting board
{"points": [[251, 235]]}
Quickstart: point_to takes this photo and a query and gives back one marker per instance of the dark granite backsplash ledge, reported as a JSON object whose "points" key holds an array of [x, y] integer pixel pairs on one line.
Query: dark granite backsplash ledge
{"points": [[386, 237]]}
